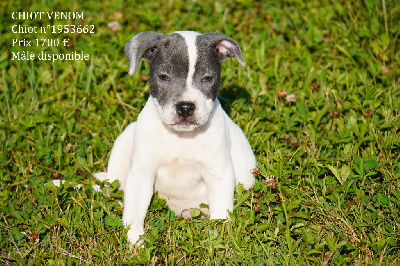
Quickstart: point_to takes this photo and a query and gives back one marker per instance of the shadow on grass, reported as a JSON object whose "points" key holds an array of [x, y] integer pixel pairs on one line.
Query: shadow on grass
{"points": [[228, 95]]}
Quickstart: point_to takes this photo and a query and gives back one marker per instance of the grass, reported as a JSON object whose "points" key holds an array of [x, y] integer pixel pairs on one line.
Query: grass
{"points": [[328, 187]]}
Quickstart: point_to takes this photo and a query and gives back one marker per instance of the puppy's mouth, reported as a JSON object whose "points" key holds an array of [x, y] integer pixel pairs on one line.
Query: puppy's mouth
{"points": [[185, 125]]}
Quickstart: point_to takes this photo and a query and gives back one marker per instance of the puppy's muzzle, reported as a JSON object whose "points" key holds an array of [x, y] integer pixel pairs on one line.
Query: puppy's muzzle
{"points": [[185, 109]]}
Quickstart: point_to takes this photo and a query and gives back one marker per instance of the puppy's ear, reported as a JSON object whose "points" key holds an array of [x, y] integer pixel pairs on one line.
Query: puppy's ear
{"points": [[141, 46], [225, 46]]}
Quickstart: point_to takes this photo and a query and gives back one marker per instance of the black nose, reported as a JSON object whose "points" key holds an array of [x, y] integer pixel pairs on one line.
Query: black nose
{"points": [[185, 109]]}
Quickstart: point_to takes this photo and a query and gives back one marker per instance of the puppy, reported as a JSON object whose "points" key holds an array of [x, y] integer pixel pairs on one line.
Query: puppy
{"points": [[183, 144]]}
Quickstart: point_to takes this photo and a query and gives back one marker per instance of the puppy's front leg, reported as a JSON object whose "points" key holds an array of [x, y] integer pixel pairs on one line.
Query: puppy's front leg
{"points": [[220, 189], [138, 192]]}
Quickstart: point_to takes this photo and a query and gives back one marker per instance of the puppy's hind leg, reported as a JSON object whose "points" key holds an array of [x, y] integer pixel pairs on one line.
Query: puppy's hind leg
{"points": [[120, 158], [243, 157]]}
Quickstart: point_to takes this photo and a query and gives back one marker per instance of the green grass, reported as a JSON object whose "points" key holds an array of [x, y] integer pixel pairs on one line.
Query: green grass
{"points": [[333, 152]]}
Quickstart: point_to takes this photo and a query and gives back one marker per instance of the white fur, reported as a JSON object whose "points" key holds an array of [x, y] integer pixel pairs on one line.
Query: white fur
{"points": [[187, 164], [186, 169]]}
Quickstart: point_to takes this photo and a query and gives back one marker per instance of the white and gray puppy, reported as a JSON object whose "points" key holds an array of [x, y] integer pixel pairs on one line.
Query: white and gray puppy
{"points": [[183, 144]]}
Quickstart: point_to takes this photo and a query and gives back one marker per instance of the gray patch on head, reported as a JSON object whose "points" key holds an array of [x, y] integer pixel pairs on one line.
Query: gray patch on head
{"points": [[212, 50], [141, 47], [170, 60], [207, 65]]}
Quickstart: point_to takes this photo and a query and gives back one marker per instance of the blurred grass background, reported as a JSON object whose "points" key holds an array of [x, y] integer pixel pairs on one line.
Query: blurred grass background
{"points": [[318, 101]]}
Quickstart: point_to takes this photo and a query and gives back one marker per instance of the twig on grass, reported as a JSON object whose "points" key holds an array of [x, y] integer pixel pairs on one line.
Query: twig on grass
{"points": [[66, 253]]}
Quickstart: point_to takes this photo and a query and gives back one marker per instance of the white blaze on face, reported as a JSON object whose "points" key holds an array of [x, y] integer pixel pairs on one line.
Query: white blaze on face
{"points": [[190, 39], [204, 105]]}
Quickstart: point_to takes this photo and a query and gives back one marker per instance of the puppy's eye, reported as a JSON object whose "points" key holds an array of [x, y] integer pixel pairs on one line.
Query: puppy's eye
{"points": [[207, 79], [163, 77]]}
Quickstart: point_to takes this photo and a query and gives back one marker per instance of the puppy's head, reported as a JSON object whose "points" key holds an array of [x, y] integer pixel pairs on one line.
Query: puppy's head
{"points": [[185, 73]]}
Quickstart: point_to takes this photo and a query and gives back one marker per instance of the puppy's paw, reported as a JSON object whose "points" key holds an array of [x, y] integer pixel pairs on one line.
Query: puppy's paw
{"points": [[247, 183], [220, 215], [247, 180], [134, 238]]}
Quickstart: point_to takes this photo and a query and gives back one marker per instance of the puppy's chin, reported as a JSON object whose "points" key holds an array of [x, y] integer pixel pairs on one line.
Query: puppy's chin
{"points": [[184, 127]]}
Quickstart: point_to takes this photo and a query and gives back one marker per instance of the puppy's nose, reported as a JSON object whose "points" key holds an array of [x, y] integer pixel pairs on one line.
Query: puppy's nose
{"points": [[185, 109]]}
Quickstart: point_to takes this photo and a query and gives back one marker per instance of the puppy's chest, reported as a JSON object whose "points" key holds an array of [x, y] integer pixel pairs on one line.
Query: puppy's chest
{"points": [[177, 153], [180, 171], [180, 183]]}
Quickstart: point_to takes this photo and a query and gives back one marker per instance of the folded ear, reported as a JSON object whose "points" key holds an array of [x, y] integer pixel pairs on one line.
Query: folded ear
{"points": [[225, 46], [141, 46]]}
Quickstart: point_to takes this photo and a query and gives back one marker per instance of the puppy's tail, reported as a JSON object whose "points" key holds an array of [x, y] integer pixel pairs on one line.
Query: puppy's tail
{"points": [[102, 176]]}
